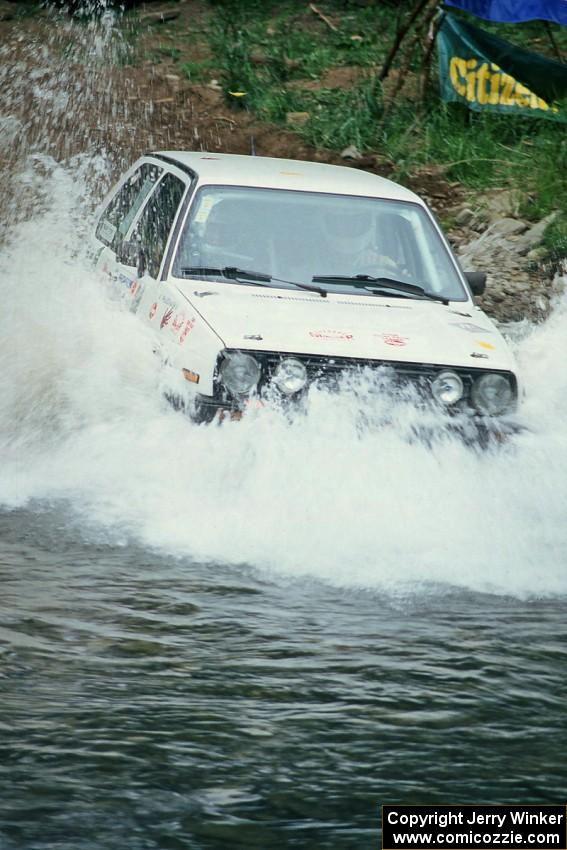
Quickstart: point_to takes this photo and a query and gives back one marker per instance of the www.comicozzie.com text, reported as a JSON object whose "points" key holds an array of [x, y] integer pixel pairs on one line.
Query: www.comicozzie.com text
{"points": [[484, 839], [520, 819]]}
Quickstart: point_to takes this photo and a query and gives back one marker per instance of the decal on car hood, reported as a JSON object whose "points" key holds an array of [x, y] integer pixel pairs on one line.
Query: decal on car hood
{"points": [[357, 326]]}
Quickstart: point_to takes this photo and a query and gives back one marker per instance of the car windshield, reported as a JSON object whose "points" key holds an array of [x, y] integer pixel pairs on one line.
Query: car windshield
{"points": [[298, 236]]}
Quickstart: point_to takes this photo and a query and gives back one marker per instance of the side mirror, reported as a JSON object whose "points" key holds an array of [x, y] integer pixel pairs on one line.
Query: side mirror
{"points": [[476, 281], [132, 254]]}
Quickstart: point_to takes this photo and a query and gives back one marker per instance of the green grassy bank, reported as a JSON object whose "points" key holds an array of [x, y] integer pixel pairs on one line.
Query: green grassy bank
{"points": [[282, 59]]}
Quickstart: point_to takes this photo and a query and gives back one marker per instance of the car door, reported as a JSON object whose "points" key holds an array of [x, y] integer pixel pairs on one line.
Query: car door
{"points": [[117, 218], [135, 229], [141, 275], [152, 232]]}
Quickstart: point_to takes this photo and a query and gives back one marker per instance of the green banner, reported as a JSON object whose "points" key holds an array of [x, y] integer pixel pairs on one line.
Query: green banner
{"points": [[488, 73]]}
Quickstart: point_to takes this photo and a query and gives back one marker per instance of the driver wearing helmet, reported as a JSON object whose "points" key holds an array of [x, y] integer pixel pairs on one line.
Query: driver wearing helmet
{"points": [[351, 244]]}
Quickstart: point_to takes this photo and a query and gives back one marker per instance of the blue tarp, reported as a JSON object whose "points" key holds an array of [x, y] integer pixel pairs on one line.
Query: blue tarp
{"points": [[514, 11]]}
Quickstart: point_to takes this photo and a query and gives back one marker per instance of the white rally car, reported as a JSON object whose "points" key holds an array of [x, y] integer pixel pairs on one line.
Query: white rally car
{"points": [[262, 277]]}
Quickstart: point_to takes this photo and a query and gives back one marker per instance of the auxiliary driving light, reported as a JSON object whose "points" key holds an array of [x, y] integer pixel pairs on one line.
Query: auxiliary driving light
{"points": [[492, 394], [290, 376], [447, 388], [240, 373]]}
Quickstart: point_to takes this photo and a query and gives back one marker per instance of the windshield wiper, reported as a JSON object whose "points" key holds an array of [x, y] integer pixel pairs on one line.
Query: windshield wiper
{"points": [[228, 271], [376, 284], [234, 273]]}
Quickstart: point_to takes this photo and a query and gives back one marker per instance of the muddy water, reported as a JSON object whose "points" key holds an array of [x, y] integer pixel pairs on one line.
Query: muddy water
{"points": [[254, 635]]}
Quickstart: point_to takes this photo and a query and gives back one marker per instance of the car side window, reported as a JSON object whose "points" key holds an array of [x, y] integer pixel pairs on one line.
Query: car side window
{"points": [[156, 221], [123, 207]]}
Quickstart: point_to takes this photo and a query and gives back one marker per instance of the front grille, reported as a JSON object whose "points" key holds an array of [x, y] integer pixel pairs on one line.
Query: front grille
{"points": [[318, 365], [331, 370], [388, 375]]}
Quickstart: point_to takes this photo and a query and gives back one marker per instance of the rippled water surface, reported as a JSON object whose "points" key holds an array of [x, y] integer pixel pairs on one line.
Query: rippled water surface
{"points": [[254, 635], [151, 701]]}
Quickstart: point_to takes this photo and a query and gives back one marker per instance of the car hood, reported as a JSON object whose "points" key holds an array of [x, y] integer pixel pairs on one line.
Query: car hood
{"points": [[374, 327]]}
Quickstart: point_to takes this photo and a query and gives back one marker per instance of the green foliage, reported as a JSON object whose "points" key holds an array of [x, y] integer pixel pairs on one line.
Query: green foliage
{"points": [[258, 50], [273, 59], [547, 182], [557, 232], [164, 52], [555, 238], [197, 71], [232, 47], [338, 117]]}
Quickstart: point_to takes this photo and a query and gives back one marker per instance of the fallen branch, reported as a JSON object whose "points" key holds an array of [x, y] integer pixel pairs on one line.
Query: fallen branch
{"points": [[159, 17], [224, 118], [448, 165], [323, 17]]}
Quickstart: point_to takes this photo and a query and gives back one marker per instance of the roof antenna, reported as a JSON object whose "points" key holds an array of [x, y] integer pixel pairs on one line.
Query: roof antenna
{"points": [[252, 146]]}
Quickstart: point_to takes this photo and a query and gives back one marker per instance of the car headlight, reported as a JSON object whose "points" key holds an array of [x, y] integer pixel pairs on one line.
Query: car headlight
{"points": [[492, 394], [240, 372], [290, 376], [447, 388]]}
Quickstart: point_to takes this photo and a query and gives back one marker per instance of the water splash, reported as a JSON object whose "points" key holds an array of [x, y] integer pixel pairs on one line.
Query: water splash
{"points": [[57, 92], [83, 421]]}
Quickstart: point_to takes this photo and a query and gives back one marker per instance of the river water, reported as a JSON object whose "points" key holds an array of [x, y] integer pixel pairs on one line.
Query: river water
{"points": [[254, 635]]}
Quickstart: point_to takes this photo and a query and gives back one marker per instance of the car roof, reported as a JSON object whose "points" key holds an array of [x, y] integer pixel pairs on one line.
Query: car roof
{"points": [[271, 173]]}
